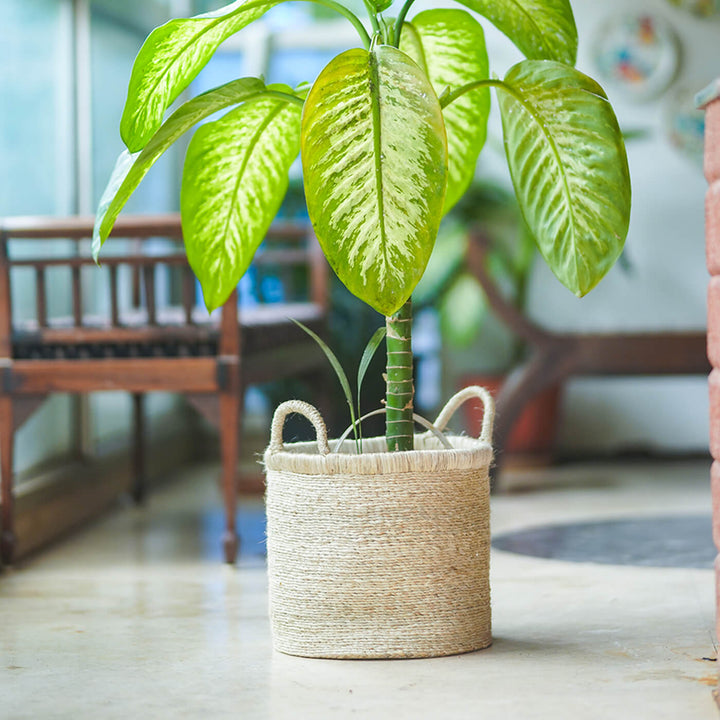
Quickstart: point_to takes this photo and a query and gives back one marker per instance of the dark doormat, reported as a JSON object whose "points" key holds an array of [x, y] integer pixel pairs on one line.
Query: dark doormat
{"points": [[679, 541]]}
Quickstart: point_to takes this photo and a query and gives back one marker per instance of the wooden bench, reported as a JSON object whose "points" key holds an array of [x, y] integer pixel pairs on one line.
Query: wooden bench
{"points": [[150, 342], [553, 357]]}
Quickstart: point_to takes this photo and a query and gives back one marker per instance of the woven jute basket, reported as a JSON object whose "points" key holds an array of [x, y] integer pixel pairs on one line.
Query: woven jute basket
{"points": [[379, 555]]}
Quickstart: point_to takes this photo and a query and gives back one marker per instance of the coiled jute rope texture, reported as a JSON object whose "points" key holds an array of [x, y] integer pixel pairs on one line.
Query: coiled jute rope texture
{"points": [[379, 555]]}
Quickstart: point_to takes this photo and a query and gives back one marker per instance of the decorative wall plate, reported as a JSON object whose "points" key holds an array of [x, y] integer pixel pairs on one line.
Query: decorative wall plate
{"points": [[638, 54], [685, 124]]}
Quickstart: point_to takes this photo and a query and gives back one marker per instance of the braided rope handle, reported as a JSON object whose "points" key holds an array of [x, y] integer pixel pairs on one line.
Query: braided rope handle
{"points": [[307, 411], [468, 393]]}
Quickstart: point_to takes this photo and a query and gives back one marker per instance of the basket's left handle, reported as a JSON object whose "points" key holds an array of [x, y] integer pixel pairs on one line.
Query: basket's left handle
{"points": [[468, 393], [307, 411]]}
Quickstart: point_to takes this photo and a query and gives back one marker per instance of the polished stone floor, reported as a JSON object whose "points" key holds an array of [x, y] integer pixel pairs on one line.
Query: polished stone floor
{"points": [[136, 617]]}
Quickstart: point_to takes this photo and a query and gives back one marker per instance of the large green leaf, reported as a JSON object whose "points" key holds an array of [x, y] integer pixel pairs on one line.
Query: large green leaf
{"points": [[374, 159], [170, 58], [450, 46], [234, 180], [131, 169], [541, 29], [569, 168]]}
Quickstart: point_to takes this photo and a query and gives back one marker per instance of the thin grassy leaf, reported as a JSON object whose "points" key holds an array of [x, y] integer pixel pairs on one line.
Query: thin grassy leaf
{"points": [[337, 367], [367, 356]]}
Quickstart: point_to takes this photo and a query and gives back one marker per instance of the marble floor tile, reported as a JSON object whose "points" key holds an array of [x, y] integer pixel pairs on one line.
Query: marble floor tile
{"points": [[136, 617]]}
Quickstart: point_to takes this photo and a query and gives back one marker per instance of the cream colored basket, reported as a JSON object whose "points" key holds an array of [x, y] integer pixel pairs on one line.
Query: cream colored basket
{"points": [[379, 555]]}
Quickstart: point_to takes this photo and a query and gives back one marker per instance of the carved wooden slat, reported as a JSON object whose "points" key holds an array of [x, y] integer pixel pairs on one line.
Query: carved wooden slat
{"points": [[123, 334], [35, 377], [126, 226], [77, 296], [112, 261], [148, 273], [229, 328], [5, 305], [114, 301], [319, 277], [40, 296], [7, 500], [188, 294]]}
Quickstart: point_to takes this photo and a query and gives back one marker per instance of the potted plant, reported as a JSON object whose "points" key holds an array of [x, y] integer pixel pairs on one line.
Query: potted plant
{"points": [[384, 553]]}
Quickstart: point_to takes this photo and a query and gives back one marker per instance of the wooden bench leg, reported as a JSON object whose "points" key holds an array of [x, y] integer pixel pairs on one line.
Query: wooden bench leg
{"points": [[230, 403], [138, 486], [7, 537]]}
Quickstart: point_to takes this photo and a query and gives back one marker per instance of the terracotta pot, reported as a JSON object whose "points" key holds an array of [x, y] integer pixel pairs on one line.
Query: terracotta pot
{"points": [[533, 437]]}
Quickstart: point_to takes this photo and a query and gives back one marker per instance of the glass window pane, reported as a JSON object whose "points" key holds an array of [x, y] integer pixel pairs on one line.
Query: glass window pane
{"points": [[34, 152]]}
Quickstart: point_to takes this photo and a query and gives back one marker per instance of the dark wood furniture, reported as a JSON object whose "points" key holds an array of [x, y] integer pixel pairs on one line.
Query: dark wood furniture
{"points": [[149, 343], [553, 356]]}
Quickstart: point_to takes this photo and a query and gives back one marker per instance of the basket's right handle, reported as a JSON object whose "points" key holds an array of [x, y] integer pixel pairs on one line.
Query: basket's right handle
{"points": [[468, 393], [306, 410]]}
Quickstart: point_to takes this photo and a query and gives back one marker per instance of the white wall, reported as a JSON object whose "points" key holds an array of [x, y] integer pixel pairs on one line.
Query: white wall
{"points": [[665, 287]]}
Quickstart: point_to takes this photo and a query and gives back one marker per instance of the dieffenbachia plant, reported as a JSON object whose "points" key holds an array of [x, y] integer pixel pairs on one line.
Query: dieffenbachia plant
{"points": [[389, 134]]}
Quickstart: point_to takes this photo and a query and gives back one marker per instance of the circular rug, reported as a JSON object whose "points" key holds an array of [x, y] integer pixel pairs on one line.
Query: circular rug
{"points": [[677, 541]]}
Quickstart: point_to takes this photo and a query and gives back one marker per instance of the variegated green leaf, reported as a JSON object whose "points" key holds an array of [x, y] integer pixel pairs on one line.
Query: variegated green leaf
{"points": [[569, 168], [170, 58], [234, 180], [374, 159], [541, 29], [450, 46], [131, 169], [462, 310]]}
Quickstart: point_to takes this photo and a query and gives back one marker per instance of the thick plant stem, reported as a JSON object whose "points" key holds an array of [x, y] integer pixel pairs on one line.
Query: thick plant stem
{"points": [[400, 389]]}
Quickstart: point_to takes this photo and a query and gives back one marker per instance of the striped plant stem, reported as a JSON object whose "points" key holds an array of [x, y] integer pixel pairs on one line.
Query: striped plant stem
{"points": [[399, 380]]}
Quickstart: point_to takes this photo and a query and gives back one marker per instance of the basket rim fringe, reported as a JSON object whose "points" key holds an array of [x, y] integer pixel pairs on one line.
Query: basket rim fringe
{"points": [[303, 457]]}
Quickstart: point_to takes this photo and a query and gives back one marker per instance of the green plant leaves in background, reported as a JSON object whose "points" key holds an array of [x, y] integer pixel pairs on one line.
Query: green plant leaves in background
{"points": [[374, 159], [170, 58], [462, 310], [568, 165], [450, 46], [131, 169], [447, 257], [541, 29], [234, 180]]}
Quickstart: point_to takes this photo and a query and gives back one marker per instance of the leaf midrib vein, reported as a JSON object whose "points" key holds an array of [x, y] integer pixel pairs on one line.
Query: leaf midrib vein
{"points": [[532, 22], [254, 140], [377, 148], [551, 142]]}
